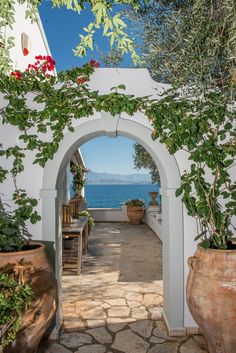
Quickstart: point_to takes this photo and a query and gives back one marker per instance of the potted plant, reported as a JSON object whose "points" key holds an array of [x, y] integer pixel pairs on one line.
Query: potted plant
{"points": [[78, 183], [28, 262], [90, 219], [208, 191], [153, 195], [79, 174], [211, 284], [135, 210]]}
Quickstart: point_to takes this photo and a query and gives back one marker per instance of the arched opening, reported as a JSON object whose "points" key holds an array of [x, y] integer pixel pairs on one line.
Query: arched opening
{"points": [[104, 124]]}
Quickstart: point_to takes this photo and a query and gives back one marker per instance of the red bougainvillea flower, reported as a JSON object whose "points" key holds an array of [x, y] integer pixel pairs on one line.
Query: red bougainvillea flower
{"points": [[81, 80], [94, 63], [25, 52], [44, 64], [16, 74]]}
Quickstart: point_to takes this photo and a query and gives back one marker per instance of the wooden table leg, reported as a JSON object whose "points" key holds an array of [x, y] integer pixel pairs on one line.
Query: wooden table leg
{"points": [[85, 248], [80, 246]]}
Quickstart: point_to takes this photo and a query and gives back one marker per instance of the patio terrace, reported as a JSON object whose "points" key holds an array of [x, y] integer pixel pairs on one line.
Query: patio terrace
{"points": [[115, 305]]}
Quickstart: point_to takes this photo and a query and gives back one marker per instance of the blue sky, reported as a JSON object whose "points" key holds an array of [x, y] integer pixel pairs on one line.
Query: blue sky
{"points": [[113, 155], [62, 28]]}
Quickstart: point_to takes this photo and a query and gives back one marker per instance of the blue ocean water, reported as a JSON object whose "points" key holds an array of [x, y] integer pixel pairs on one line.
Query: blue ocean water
{"points": [[114, 196]]}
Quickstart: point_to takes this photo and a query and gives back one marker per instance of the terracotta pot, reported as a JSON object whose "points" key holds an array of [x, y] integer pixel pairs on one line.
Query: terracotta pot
{"points": [[153, 195], [68, 243], [211, 296], [32, 266], [135, 214]]}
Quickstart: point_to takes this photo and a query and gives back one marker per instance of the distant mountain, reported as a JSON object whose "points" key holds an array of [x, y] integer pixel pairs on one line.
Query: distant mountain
{"points": [[109, 178]]}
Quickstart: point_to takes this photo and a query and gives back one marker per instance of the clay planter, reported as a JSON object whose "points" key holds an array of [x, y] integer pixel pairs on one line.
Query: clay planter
{"points": [[135, 214], [153, 195], [211, 296], [32, 266], [68, 243]]}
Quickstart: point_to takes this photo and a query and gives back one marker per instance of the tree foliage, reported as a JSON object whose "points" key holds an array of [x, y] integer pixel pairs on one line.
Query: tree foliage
{"points": [[192, 45], [142, 159]]}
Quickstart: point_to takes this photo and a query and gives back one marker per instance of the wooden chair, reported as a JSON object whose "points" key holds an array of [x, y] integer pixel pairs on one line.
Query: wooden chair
{"points": [[66, 216], [76, 229], [74, 207]]}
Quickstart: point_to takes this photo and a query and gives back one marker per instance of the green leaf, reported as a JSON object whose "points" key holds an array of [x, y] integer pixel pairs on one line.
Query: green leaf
{"points": [[178, 192]]}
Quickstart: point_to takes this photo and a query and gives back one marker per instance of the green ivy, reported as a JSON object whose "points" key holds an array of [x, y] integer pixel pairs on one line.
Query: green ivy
{"points": [[202, 126], [15, 298]]}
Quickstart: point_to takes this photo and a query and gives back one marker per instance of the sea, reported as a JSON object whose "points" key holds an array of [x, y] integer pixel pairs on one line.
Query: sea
{"points": [[115, 195]]}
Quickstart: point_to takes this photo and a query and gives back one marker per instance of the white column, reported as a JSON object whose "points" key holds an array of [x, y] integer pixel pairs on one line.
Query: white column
{"points": [[51, 221], [173, 270]]}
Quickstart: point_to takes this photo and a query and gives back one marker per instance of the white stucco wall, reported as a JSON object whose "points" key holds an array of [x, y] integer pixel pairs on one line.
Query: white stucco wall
{"points": [[109, 214], [154, 220], [35, 32]]}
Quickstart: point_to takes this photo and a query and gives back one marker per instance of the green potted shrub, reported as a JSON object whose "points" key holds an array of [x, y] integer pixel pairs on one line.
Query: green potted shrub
{"points": [[90, 219], [28, 261], [79, 181], [135, 210]]}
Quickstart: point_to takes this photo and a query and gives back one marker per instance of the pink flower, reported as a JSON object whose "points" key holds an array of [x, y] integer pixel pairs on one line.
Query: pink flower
{"points": [[25, 52], [81, 80], [43, 64], [94, 63], [16, 74]]}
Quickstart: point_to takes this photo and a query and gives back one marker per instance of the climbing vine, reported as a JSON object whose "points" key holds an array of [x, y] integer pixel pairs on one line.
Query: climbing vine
{"points": [[203, 127], [57, 102], [197, 116]]}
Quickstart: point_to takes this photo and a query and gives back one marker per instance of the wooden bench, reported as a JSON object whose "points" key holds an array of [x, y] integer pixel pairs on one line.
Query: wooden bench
{"points": [[76, 229]]}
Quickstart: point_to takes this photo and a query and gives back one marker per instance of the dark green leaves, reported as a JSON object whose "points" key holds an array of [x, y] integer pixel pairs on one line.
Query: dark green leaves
{"points": [[15, 297]]}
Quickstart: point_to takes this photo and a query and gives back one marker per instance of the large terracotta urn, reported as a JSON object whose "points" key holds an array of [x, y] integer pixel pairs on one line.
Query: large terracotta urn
{"points": [[211, 296], [135, 214], [32, 266]]}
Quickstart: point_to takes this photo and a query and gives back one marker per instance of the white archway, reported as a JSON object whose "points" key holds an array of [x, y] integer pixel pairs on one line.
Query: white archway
{"points": [[137, 128]]}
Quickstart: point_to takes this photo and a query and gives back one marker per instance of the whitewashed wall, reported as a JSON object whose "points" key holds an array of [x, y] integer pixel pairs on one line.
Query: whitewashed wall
{"points": [[154, 220], [109, 214], [37, 39], [151, 217]]}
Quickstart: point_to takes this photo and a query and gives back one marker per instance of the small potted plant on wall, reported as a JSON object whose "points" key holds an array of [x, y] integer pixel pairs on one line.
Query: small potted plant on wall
{"points": [[27, 262], [79, 181], [135, 210], [90, 219]]}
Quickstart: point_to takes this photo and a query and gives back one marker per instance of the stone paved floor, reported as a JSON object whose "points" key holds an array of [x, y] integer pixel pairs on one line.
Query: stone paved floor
{"points": [[115, 304]]}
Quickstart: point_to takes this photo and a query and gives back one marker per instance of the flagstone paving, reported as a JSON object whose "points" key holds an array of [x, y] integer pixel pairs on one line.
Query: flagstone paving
{"points": [[115, 305]]}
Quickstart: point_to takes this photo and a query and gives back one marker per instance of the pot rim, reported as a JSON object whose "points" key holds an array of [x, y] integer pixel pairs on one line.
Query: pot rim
{"points": [[139, 207], [215, 250], [41, 247]]}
